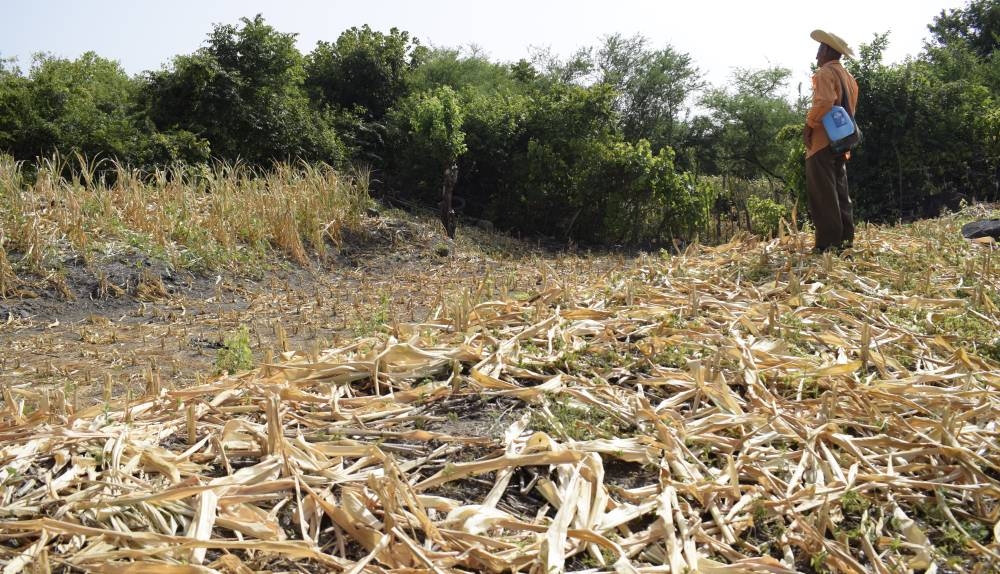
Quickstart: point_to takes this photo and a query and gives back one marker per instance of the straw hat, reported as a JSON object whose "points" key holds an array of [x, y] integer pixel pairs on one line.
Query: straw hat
{"points": [[834, 41]]}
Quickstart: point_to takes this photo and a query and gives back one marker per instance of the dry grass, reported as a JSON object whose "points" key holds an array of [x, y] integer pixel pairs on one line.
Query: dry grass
{"points": [[225, 217], [8, 279], [743, 408]]}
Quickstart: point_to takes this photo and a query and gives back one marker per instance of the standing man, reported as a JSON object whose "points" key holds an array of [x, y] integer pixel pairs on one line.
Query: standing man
{"points": [[826, 171]]}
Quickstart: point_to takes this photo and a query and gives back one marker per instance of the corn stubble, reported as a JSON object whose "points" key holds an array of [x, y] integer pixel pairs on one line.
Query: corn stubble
{"points": [[779, 421]]}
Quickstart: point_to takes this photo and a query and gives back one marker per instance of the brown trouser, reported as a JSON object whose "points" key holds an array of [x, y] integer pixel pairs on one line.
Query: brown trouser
{"points": [[829, 202]]}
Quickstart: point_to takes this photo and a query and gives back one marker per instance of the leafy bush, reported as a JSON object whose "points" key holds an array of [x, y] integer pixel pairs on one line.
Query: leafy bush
{"points": [[559, 138], [635, 196], [235, 354], [363, 71], [930, 130], [765, 215], [495, 127], [87, 105], [427, 137]]}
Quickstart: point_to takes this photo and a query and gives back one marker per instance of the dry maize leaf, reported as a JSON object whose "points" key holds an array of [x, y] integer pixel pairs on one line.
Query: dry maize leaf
{"points": [[154, 461], [583, 314], [379, 547], [747, 440], [489, 382], [665, 511], [249, 520], [745, 566], [466, 469], [554, 546], [635, 449], [230, 564], [476, 519], [838, 370], [150, 567], [202, 523], [915, 536]]}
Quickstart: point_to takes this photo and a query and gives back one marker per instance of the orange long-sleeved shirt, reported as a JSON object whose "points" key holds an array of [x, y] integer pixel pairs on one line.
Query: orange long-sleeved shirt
{"points": [[826, 93]]}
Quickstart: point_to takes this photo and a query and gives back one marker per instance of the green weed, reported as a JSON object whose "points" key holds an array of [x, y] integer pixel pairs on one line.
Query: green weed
{"points": [[375, 319], [818, 561], [576, 422], [854, 503], [235, 354]]}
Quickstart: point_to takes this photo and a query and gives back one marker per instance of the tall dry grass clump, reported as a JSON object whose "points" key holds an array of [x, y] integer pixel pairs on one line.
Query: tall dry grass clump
{"points": [[192, 217], [22, 215], [8, 279], [8, 185]]}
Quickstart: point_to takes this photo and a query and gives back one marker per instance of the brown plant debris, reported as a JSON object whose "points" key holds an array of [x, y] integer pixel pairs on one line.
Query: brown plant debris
{"points": [[743, 408]]}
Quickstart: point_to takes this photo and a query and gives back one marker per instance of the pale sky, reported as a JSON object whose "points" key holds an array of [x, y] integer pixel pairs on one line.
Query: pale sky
{"points": [[720, 35]]}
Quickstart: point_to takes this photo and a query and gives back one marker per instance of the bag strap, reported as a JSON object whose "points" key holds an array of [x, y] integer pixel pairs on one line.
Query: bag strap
{"points": [[843, 96]]}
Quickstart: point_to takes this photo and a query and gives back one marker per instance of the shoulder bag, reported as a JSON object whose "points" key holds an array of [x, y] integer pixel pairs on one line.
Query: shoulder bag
{"points": [[840, 125]]}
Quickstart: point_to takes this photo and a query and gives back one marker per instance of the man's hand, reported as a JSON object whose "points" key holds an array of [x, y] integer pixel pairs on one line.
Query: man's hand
{"points": [[807, 134]]}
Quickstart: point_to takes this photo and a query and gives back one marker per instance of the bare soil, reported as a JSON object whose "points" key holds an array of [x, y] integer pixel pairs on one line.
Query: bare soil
{"points": [[128, 319]]}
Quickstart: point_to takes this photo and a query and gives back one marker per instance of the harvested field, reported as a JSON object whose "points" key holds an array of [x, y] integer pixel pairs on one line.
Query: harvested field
{"points": [[739, 408]]}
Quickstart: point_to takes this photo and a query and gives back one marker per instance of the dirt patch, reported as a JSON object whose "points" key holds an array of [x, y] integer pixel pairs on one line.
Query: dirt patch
{"points": [[476, 416], [128, 321], [628, 475]]}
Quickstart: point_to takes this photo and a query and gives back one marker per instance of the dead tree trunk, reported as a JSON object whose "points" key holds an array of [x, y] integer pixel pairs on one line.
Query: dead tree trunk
{"points": [[448, 217]]}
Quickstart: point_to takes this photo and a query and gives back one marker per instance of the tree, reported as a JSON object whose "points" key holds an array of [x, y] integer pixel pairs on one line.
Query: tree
{"points": [[22, 132], [977, 26], [244, 93], [557, 139], [474, 71], [749, 120], [427, 139], [495, 135], [364, 71], [578, 69], [632, 195], [85, 105], [436, 126], [930, 133], [652, 87]]}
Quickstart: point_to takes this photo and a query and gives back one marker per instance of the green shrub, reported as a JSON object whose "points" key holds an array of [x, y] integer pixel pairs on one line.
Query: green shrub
{"points": [[765, 215], [235, 354]]}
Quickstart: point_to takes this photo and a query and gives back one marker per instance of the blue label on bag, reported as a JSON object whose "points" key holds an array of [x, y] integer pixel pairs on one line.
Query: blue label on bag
{"points": [[839, 118], [838, 123]]}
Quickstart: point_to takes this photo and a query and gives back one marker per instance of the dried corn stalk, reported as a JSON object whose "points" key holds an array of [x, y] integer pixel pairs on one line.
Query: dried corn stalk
{"points": [[679, 416]]}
